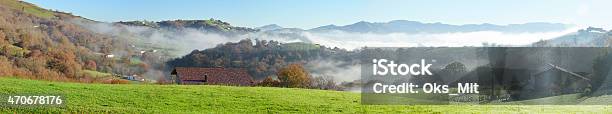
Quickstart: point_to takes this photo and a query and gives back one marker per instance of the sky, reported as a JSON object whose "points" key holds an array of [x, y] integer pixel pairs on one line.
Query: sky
{"points": [[309, 14]]}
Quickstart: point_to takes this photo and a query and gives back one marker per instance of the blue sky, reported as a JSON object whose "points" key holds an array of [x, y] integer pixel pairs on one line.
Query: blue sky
{"points": [[313, 13]]}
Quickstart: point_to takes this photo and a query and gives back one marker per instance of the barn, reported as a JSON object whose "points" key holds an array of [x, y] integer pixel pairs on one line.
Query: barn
{"points": [[212, 76]]}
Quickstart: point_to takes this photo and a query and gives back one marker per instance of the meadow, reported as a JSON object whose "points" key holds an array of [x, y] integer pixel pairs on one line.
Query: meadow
{"points": [[149, 98]]}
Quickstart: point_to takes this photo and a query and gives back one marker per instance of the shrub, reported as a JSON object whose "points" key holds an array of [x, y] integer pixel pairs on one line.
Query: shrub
{"points": [[118, 81], [91, 65], [269, 82], [324, 83], [162, 80]]}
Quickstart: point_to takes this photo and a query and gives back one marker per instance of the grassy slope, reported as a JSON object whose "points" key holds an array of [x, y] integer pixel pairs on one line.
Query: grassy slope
{"points": [[28, 8], [96, 73], [193, 99]]}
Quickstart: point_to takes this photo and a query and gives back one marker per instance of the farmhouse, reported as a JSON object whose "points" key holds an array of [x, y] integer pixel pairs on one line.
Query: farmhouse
{"points": [[213, 76], [556, 80]]}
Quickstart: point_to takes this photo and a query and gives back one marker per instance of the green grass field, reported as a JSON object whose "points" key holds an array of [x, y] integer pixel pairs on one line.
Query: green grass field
{"points": [[96, 73], [141, 98]]}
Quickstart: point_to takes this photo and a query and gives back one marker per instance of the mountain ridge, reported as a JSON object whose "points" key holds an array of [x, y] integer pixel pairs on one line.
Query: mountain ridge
{"points": [[406, 26], [269, 27]]}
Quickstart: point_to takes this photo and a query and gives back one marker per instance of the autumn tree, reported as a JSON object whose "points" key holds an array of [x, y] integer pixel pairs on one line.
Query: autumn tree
{"points": [[455, 67], [294, 75], [452, 71]]}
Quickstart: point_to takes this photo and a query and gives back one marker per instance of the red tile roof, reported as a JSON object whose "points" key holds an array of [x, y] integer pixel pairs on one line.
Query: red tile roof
{"points": [[216, 76]]}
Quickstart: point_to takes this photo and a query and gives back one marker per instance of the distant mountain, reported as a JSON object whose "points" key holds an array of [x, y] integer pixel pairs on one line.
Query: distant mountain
{"points": [[269, 27], [396, 26], [404, 26], [589, 37]]}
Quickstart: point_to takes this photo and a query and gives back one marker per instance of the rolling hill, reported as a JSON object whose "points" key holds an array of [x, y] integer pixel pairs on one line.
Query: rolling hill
{"points": [[210, 25], [44, 44], [589, 37]]}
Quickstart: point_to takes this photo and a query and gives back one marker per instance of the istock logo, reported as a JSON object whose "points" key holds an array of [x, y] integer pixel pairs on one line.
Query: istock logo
{"points": [[384, 67]]}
